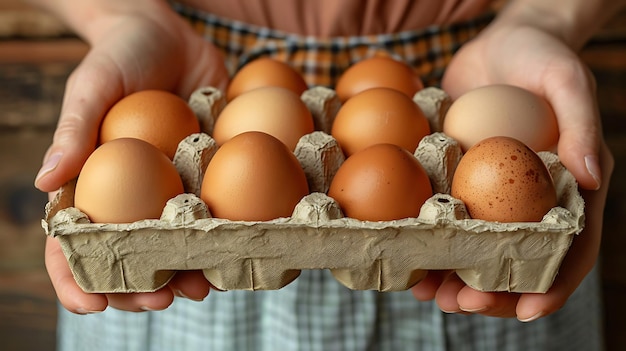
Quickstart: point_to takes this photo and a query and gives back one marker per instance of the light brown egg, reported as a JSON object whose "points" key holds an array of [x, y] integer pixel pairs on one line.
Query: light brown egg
{"points": [[126, 180], [500, 179], [274, 110], [158, 117], [378, 71], [379, 115], [502, 110], [253, 177], [264, 72], [381, 183]]}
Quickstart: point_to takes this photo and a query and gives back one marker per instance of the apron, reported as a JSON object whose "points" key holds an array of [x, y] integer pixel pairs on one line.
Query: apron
{"points": [[322, 60]]}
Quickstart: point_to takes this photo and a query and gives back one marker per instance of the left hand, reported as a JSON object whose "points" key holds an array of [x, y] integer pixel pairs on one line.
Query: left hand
{"points": [[538, 61], [134, 48]]}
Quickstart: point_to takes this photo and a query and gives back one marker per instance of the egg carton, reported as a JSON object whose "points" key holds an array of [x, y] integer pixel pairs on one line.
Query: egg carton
{"points": [[385, 256]]}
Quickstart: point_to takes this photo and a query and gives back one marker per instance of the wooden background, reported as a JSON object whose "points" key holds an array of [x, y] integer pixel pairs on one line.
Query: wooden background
{"points": [[36, 56]]}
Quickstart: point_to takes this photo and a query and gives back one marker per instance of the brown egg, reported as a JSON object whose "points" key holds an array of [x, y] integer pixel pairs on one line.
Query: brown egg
{"points": [[126, 180], [253, 177], [274, 110], [381, 183], [378, 71], [265, 72], [502, 110], [500, 179], [158, 117], [379, 115]]}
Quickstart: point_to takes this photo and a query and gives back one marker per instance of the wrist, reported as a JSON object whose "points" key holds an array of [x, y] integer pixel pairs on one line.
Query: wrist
{"points": [[571, 21], [92, 19]]}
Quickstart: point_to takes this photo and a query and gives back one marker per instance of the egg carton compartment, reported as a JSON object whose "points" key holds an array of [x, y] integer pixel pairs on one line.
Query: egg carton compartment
{"points": [[385, 256]]}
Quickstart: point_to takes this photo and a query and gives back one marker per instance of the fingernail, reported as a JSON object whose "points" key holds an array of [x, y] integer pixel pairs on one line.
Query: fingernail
{"points": [[532, 318], [474, 310], [49, 165], [460, 312], [593, 167], [179, 293], [146, 308], [81, 310]]}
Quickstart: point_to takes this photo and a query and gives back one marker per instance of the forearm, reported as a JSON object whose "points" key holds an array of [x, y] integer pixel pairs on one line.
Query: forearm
{"points": [[89, 18], [573, 21]]}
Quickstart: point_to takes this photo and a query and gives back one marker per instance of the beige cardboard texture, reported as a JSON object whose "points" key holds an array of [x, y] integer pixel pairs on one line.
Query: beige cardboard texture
{"points": [[384, 256]]}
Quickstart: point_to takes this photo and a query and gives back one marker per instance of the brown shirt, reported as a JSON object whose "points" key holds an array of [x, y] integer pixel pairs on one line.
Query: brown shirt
{"points": [[326, 18]]}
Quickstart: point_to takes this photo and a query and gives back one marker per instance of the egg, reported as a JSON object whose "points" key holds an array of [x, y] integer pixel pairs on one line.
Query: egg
{"points": [[126, 180], [381, 183], [273, 110], [500, 179], [156, 116], [506, 110], [264, 72], [253, 177], [379, 115], [378, 71]]}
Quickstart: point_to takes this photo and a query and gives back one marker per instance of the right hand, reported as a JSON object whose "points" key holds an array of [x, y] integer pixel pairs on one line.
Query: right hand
{"points": [[134, 52], [522, 54]]}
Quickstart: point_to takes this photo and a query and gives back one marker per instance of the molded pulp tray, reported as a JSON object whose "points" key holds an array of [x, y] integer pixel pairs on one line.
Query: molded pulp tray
{"points": [[384, 256]]}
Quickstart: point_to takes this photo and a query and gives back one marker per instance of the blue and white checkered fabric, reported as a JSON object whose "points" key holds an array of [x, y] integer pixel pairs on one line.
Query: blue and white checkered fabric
{"points": [[315, 313]]}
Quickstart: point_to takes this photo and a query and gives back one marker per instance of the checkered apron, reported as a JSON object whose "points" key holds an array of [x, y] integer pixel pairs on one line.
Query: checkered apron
{"points": [[321, 61], [315, 312]]}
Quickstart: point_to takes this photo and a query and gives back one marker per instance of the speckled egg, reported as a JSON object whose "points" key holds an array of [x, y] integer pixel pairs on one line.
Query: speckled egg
{"points": [[500, 179]]}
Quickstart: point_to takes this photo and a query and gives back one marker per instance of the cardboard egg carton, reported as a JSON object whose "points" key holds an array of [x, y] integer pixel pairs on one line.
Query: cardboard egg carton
{"points": [[384, 256]]}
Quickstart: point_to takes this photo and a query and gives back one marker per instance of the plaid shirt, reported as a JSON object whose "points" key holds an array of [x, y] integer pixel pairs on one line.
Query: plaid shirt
{"points": [[315, 312]]}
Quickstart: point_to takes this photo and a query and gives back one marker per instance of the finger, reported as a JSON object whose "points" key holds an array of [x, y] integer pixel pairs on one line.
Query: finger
{"points": [[465, 72], [212, 73], [191, 285], [426, 289], [70, 295], [582, 254], [493, 304], [534, 306], [141, 302], [572, 96], [92, 88], [446, 296]]}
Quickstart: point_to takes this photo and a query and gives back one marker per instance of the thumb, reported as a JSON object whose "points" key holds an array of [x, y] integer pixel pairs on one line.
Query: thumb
{"points": [[579, 128], [90, 91]]}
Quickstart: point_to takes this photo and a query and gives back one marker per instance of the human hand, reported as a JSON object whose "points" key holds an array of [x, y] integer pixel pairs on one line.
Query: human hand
{"points": [[535, 60], [148, 49]]}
